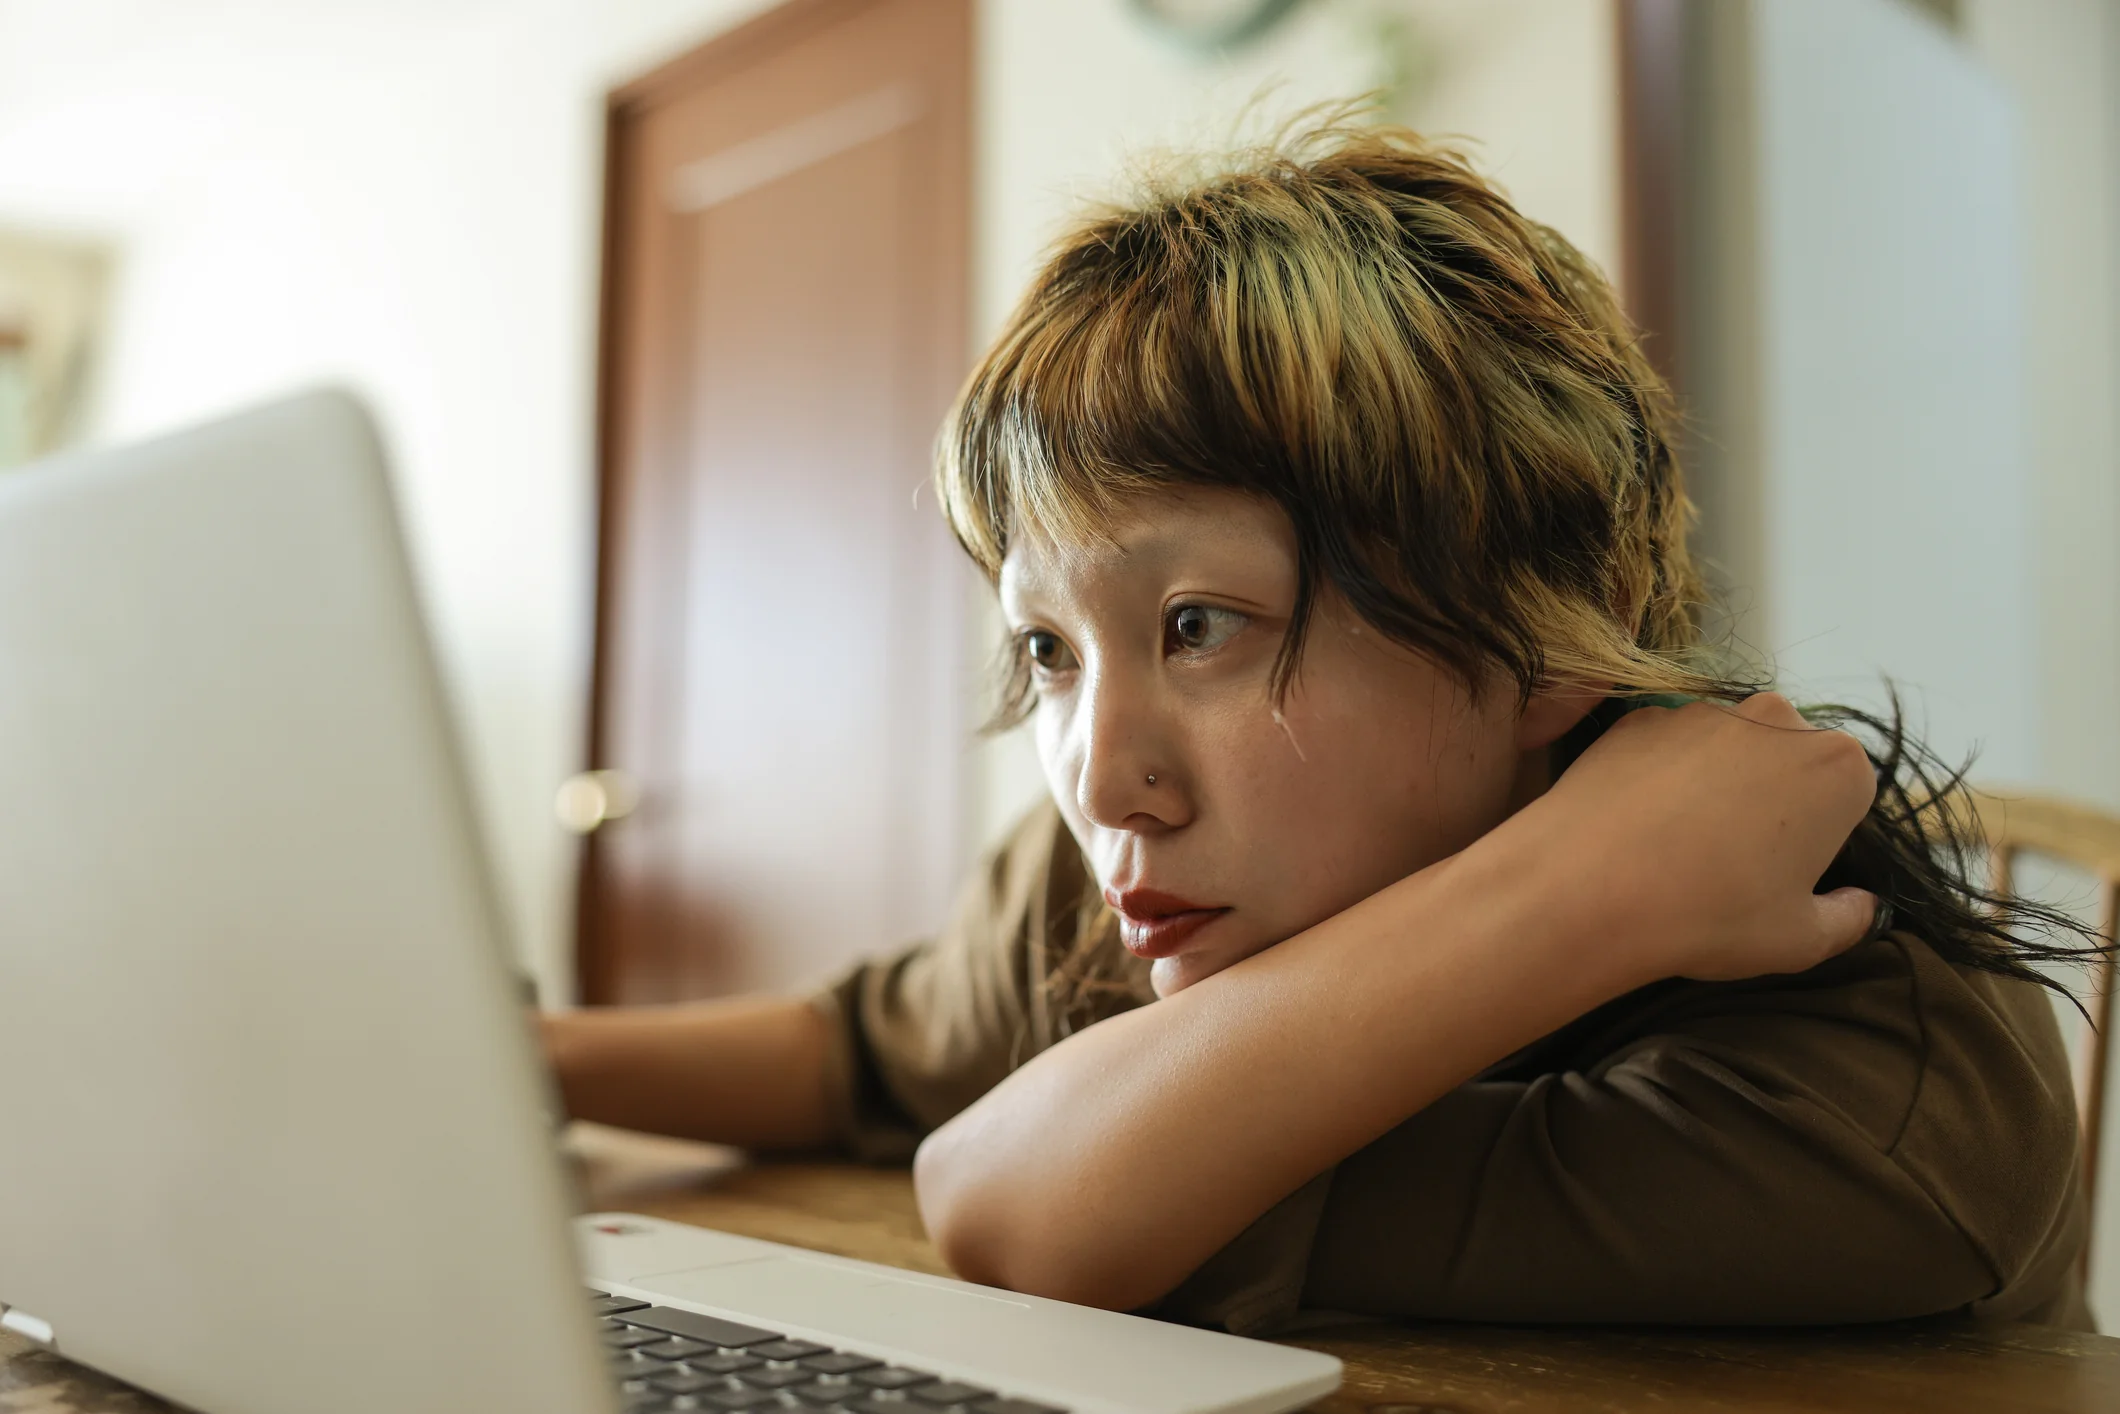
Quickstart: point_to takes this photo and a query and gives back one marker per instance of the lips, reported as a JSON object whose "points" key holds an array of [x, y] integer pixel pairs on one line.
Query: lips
{"points": [[1155, 924]]}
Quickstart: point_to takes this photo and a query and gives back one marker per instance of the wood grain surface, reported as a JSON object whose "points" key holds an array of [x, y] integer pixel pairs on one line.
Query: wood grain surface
{"points": [[1391, 1369]]}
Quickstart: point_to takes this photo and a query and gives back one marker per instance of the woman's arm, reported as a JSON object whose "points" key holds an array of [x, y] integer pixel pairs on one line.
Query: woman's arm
{"points": [[748, 1070], [1111, 1166], [895, 1047]]}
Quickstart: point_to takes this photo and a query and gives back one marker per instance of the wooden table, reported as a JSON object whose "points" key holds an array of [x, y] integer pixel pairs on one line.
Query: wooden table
{"points": [[1391, 1369]]}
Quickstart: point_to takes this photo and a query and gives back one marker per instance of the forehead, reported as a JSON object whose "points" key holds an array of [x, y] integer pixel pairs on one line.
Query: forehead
{"points": [[1202, 530]]}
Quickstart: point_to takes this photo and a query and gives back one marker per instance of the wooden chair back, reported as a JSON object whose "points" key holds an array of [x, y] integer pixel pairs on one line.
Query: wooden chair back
{"points": [[2019, 823]]}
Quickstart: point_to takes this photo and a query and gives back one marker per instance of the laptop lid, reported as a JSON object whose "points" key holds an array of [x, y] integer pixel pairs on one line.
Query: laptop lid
{"points": [[273, 1137]]}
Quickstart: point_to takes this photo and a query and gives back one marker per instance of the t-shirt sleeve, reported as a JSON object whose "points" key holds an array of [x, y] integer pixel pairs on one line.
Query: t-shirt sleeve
{"points": [[1883, 1137], [917, 1036]]}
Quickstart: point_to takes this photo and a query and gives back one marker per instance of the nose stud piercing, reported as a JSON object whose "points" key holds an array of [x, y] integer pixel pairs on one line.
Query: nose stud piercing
{"points": [[1151, 777]]}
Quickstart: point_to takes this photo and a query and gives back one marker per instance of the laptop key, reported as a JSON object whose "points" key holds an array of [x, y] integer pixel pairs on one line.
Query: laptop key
{"points": [[774, 1377], [626, 1337], [837, 1362], [891, 1377], [788, 1349], [711, 1329], [735, 1398], [604, 1305], [1014, 1406], [676, 1348], [728, 1362], [949, 1392], [825, 1391], [684, 1382]]}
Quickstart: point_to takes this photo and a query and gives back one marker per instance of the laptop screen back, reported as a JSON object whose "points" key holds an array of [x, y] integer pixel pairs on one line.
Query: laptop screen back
{"points": [[273, 1135]]}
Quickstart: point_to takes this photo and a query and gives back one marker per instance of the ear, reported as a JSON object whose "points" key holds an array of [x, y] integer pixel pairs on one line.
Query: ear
{"points": [[1553, 710]]}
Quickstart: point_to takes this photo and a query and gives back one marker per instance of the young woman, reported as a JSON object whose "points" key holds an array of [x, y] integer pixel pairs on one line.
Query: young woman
{"points": [[1381, 950]]}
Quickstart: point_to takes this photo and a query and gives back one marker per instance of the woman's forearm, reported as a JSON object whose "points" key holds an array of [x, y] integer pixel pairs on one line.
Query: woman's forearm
{"points": [[748, 1071], [1111, 1166]]}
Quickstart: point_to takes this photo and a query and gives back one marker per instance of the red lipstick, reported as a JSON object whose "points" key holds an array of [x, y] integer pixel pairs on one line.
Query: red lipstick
{"points": [[1155, 924]]}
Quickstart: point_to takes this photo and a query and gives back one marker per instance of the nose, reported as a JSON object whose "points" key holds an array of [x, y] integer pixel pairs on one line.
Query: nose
{"points": [[1128, 738]]}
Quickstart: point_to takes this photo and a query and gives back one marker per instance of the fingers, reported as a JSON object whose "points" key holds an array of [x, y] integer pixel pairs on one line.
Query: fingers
{"points": [[1846, 917], [1835, 752]]}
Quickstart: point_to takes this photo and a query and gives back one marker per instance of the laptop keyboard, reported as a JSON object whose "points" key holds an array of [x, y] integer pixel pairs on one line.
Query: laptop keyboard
{"points": [[672, 1360]]}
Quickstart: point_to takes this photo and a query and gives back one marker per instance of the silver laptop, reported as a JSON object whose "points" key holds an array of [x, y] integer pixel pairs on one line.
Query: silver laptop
{"points": [[273, 1138]]}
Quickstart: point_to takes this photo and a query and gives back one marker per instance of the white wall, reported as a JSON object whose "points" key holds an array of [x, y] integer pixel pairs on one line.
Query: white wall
{"points": [[402, 194], [2059, 61], [1895, 494]]}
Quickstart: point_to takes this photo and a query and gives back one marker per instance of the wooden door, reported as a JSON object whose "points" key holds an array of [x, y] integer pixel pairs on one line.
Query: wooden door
{"points": [[780, 675]]}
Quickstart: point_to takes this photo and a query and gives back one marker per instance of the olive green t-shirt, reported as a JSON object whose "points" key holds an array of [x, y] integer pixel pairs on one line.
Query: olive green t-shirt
{"points": [[1884, 1136]]}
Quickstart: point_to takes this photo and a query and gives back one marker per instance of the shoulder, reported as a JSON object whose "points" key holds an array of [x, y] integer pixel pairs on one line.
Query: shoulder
{"points": [[1956, 1078], [1016, 873], [1992, 1133]]}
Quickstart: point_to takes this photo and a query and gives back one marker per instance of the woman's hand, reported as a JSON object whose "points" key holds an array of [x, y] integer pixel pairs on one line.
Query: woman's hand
{"points": [[1693, 837]]}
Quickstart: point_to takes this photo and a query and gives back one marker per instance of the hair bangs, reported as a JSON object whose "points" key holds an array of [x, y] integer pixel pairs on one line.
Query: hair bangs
{"points": [[1103, 390], [1440, 394]]}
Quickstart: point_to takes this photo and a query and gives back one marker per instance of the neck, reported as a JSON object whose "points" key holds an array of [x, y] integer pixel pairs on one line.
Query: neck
{"points": [[1534, 777]]}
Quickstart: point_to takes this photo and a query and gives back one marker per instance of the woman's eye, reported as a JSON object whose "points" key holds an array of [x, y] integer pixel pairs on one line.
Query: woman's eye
{"points": [[1195, 628], [1047, 651]]}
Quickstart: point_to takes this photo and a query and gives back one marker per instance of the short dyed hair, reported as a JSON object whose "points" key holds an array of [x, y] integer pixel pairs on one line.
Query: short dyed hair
{"points": [[1442, 395]]}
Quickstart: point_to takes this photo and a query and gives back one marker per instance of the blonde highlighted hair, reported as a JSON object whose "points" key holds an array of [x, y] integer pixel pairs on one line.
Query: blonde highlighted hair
{"points": [[1442, 395]]}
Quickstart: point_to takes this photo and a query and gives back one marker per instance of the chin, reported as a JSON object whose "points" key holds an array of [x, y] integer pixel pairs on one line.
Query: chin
{"points": [[1169, 975]]}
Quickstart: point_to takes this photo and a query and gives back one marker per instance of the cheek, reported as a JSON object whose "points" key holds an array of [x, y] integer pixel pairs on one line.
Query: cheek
{"points": [[1279, 790], [1383, 786], [1060, 756]]}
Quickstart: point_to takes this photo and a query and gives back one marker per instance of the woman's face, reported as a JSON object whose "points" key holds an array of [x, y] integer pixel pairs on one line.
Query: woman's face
{"points": [[1217, 824]]}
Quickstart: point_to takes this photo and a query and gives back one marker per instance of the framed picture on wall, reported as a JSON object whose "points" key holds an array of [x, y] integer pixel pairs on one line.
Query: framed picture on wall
{"points": [[52, 294]]}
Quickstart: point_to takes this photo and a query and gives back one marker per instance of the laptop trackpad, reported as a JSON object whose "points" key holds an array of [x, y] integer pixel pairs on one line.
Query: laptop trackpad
{"points": [[854, 1304]]}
